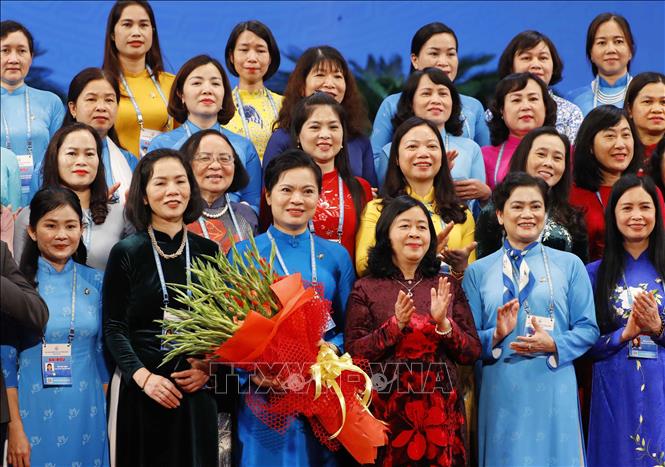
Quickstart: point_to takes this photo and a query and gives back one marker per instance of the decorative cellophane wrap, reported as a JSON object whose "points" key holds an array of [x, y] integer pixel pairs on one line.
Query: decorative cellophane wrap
{"points": [[241, 313]]}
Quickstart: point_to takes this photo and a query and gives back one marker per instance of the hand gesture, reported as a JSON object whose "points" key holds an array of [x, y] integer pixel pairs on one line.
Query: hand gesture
{"points": [[441, 298], [458, 258], [162, 391], [539, 342], [112, 190], [472, 189], [645, 309], [195, 378], [442, 239], [404, 308], [506, 319], [631, 330], [451, 155], [18, 446]]}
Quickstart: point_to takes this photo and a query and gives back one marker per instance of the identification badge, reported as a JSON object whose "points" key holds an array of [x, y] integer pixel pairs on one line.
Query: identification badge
{"points": [[57, 364], [546, 323], [330, 325], [643, 347], [168, 317], [25, 167], [146, 136]]}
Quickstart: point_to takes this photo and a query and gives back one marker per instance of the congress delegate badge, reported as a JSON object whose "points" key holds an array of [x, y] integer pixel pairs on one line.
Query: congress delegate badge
{"points": [[168, 317], [57, 364], [545, 322], [643, 347], [146, 136], [26, 167]]}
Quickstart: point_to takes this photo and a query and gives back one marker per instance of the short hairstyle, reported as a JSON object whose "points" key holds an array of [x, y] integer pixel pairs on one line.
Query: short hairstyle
{"points": [[51, 174], [191, 147], [614, 257], [424, 34], [637, 84], [138, 212], [516, 82], [177, 107], [597, 22], [78, 84], [46, 200], [8, 26], [516, 180], [324, 57], [587, 170], [526, 40], [262, 31], [447, 205], [289, 160], [153, 58], [380, 260], [454, 125], [655, 163]]}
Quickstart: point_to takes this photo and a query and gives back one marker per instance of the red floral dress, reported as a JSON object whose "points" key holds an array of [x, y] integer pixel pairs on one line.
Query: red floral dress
{"points": [[414, 370]]}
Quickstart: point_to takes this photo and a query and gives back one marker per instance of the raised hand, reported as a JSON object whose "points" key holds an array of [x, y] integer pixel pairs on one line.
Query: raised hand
{"points": [[404, 309], [441, 298], [442, 239], [645, 309], [451, 155], [506, 319], [458, 258]]}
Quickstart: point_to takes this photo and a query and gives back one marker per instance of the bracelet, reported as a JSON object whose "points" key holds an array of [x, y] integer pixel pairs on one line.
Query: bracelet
{"points": [[457, 275], [443, 333], [662, 328], [146, 381]]}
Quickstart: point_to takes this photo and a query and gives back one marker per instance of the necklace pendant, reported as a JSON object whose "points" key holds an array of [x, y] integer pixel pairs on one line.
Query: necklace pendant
{"points": [[409, 294]]}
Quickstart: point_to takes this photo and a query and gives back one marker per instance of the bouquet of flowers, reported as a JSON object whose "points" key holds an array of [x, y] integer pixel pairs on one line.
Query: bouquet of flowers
{"points": [[240, 312]]}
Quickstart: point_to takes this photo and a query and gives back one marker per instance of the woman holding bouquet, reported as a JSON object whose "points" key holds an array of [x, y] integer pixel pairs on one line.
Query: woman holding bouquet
{"points": [[293, 186], [405, 312], [160, 415]]}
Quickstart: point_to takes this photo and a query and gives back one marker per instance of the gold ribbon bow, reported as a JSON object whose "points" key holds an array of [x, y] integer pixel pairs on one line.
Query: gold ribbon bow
{"points": [[328, 368]]}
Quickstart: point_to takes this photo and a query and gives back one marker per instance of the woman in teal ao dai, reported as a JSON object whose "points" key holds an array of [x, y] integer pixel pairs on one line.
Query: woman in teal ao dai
{"points": [[528, 407]]}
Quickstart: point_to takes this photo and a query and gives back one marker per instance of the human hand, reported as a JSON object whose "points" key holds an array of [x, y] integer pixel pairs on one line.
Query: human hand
{"points": [[645, 309], [631, 329], [195, 378], [441, 298], [472, 189], [404, 309], [451, 155], [112, 190], [539, 342], [442, 238], [162, 391], [506, 319], [263, 381], [375, 192], [18, 446], [458, 258]]}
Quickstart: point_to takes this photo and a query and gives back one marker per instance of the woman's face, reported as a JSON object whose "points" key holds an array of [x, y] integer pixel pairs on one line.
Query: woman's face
{"points": [[132, 34], [635, 215], [432, 102], [203, 91], [547, 159], [168, 190], [326, 77], [439, 51], [250, 57], [321, 136], [96, 106], [536, 60], [613, 147], [648, 110], [15, 58], [57, 234], [213, 166], [293, 199], [610, 51], [524, 110], [78, 160], [419, 155], [523, 216], [409, 236]]}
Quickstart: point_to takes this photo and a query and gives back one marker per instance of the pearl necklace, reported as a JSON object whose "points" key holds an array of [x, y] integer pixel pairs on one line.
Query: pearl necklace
{"points": [[409, 292], [153, 240], [218, 215]]}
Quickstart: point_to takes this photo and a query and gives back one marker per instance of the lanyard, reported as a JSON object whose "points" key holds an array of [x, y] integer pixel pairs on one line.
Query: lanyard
{"points": [[189, 131], [600, 96], [241, 110], [630, 294], [87, 236], [546, 262], [204, 229], [340, 223], [498, 162], [160, 272], [70, 336], [465, 120], [28, 126], [312, 255], [139, 115], [600, 200]]}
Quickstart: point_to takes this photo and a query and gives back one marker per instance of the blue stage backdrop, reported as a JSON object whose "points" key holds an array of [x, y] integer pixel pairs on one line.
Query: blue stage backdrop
{"points": [[70, 35]]}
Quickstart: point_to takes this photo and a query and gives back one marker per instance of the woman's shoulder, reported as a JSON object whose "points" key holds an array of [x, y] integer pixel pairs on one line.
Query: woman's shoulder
{"points": [[166, 78], [45, 96], [236, 139], [360, 141], [465, 143], [94, 277], [131, 245], [481, 265], [471, 103]]}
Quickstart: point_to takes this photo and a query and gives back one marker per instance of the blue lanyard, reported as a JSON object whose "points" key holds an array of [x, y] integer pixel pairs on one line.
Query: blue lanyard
{"points": [[312, 255], [160, 272], [498, 162], [241, 110], [340, 223], [28, 126], [139, 115], [204, 229]]}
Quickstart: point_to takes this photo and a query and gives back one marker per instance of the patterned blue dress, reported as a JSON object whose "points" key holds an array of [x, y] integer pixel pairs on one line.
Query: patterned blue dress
{"points": [[66, 425]]}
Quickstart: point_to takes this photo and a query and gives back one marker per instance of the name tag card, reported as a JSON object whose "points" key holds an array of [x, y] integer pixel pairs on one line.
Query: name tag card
{"points": [[543, 321], [57, 364], [643, 347]]}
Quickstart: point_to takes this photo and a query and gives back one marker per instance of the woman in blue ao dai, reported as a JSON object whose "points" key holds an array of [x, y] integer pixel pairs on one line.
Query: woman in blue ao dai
{"points": [[627, 399], [57, 401], [533, 308]]}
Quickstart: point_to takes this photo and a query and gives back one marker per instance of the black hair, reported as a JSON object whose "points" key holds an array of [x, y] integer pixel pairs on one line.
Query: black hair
{"points": [[302, 112], [587, 170], [526, 40], [46, 200], [447, 205], [614, 258], [289, 160], [262, 31], [636, 85], [380, 260], [191, 146], [138, 211], [8, 26], [424, 34], [654, 169], [597, 22], [516, 82], [515, 180], [454, 125], [51, 174]]}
